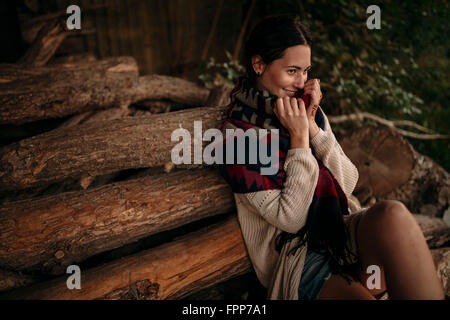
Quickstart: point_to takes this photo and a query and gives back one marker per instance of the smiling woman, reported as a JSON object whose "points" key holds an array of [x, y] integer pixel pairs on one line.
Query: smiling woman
{"points": [[305, 237]]}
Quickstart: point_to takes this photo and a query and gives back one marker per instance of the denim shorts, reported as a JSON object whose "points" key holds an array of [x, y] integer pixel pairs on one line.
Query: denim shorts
{"points": [[315, 274]]}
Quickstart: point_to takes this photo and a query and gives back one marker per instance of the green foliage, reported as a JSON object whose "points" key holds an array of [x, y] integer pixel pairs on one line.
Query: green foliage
{"points": [[397, 72], [215, 73]]}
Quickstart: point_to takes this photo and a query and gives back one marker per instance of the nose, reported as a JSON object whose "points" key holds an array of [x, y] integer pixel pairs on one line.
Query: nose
{"points": [[300, 81]]}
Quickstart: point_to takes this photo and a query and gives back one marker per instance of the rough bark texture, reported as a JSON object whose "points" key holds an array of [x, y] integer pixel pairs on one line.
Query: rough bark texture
{"points": [[45, 45], [441, 258], [50, 233], [435, 230], [165, 87], [50, 92], [427, 190], [170, 271], [219, 96], [99, 148], [10, 280]]}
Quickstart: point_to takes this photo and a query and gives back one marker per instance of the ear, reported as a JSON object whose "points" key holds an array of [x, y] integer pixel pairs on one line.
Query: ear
{"points": [[258, 64]]}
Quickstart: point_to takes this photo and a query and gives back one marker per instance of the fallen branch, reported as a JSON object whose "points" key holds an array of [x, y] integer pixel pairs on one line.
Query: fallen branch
{"points": [[392, 124]]}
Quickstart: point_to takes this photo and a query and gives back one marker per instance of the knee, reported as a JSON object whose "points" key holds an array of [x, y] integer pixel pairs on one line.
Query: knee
{"points": [[391, 214]]}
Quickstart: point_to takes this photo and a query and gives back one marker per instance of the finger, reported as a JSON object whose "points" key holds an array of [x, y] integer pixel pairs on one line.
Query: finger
{"points": [[287, 106], [294, 106], [301, 107], [280, 107]]}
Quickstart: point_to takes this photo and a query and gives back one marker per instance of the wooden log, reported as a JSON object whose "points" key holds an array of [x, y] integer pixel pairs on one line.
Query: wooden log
{"points": [[45, 45], [50, 233], [158, 87], [425, 189], [28, 95], [50, 92], [435, 230], [383, 163], [441, 258], [73, 58], [98, 148], [10, 280], [171, 271], [219, 96]]}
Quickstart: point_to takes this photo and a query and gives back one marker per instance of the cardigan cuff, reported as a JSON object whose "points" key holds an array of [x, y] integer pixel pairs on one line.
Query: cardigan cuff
{"points": [[322, 142]]}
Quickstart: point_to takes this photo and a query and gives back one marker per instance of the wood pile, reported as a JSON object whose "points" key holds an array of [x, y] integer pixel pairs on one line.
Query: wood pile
{"points": [[86, 179]]}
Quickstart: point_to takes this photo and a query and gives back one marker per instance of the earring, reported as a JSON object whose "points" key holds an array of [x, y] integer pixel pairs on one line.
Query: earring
{"points": [[259, 74]]}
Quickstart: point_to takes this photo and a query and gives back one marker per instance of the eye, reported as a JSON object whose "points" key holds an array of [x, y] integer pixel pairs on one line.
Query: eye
{"points": [[291, 71]]}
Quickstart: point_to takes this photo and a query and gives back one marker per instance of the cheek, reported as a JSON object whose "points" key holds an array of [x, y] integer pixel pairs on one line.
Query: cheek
{"points": [[282, 80]]}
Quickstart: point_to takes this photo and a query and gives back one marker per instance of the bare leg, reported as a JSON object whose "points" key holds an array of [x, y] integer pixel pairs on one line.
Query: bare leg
{"points": [[388, 236], [337, 288]]}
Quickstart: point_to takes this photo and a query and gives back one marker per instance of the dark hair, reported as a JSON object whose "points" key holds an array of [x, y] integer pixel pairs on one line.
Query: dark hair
{"points": [[271, 37], [324, 231]]}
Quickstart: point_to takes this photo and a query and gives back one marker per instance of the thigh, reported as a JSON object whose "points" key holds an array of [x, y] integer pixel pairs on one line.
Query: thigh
{"points": [[337, 288], [366, 240]]}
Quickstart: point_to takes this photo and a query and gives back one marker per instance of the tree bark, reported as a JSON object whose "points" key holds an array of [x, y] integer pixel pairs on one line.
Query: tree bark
{"points": [[441, 258], [158, 87], [435, 230], [54, 91], [50, 233], [98, 148], [50, 92], [170, 271]]}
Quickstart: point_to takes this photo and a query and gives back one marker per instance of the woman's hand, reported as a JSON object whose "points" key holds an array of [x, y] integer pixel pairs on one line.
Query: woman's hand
{"points": [[312, 88], [292, 114]]}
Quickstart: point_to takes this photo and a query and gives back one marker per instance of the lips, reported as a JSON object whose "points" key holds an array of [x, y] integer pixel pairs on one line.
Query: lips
{"points": [[290, 93], [299, 94]]}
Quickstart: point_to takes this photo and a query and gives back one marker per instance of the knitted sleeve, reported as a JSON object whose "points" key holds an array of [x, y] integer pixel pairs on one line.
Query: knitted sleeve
{"points": [[328, 150], [287, 208]]}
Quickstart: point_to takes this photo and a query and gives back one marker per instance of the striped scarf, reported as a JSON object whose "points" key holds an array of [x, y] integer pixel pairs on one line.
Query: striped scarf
{"points": [[251, 108]]}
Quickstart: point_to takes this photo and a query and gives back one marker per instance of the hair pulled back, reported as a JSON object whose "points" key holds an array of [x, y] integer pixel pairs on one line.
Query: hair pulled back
{"points": [[271, 37]]}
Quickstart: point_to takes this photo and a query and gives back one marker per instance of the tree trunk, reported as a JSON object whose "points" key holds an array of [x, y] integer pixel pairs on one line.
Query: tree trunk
{"points": [[50, 233], [383, 163], [50, 92], [170, 271], [390, 168], [98, 148], [158, 87]]}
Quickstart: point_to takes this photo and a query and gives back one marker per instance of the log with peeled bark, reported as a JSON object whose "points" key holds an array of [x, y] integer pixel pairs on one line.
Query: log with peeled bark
{"points": [[170, 271], [48, 234], [99, 148], [31, 94], [54, 91], [383, 163], [390, 168], [51, 35]]}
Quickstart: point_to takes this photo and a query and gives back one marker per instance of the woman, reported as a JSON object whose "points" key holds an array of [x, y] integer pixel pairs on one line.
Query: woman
{"points": [[300, 237]]}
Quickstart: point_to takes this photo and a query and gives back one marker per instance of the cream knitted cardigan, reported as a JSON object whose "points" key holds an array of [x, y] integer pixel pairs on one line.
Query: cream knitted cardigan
{"points": [[264, 214]]}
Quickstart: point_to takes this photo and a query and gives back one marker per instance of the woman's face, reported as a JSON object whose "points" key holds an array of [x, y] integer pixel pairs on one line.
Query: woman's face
{"points": [[284, 76]]}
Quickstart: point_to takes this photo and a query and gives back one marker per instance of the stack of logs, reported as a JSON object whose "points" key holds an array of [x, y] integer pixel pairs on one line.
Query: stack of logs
{"points": [[100, 180]]}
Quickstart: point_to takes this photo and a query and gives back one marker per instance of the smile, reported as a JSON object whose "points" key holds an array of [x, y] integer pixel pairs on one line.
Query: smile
{"points": [[290, 92]]}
